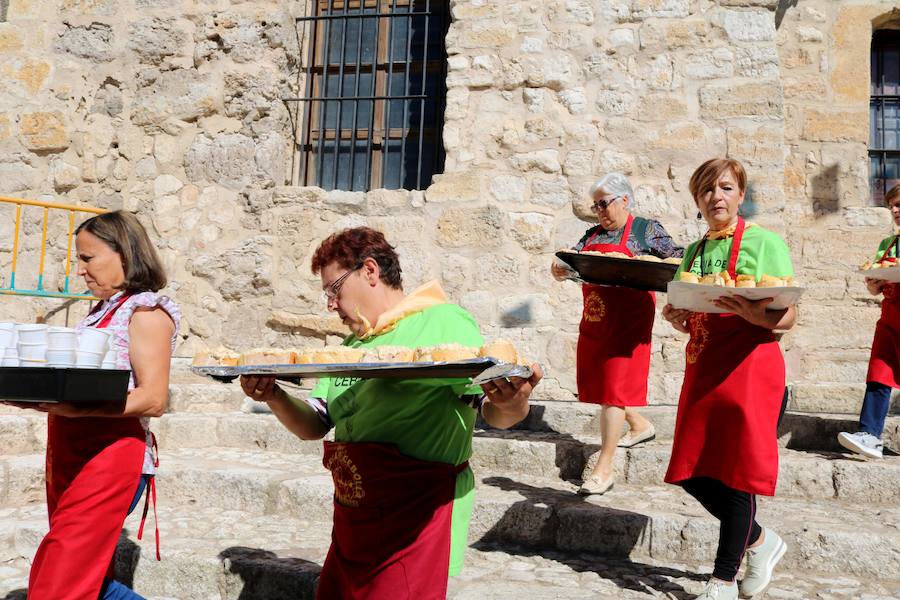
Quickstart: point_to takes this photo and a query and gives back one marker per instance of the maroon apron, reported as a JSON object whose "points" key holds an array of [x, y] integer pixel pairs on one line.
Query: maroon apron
{"points": [[613, 360], [392, 517], [93, 467], [730, 401], [884, 362]]}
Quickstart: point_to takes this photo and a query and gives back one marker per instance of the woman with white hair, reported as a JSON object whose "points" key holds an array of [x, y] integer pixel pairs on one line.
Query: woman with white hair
{"points": [[616, 324]]}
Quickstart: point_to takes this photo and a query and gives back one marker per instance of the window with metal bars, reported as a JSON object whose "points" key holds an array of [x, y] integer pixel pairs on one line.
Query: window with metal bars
{"points": [[884, 113], [373, 108]]}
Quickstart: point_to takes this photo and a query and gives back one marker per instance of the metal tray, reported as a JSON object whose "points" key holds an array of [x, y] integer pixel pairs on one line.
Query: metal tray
{"points": [[70, 386], [891, 274], [406, 370], [698, 297], [622, 272]]}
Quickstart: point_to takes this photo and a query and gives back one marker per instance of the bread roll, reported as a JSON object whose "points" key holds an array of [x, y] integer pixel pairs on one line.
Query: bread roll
{"points": [[501, 350], [710, 279], [648, 258], [268, 356], [688, 277], [445, 353], [745, 281], [330, 355], [305, 357], [672, 260], [767, 281], [220, 357], [392, 354]]}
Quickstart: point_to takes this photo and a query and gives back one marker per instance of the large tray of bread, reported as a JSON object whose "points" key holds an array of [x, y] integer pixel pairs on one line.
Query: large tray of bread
{"points": [[698, 293], [885, 270], [396, 362], [616, 268]]}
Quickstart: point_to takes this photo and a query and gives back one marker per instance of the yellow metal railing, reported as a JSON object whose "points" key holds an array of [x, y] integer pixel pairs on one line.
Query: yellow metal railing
{"points": [[47, 206]]}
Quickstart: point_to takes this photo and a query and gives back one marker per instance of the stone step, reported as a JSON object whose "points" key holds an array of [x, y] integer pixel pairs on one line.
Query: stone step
{"points": [[567, 457], [658, 521], [212, 554]]}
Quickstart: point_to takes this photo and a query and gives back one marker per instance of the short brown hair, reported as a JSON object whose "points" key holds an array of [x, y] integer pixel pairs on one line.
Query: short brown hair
{"points": [[893, 193], [705, 177], [121, 231], [350, 247]]}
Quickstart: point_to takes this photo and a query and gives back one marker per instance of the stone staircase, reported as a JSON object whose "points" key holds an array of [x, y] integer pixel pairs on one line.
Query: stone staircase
{"points": [[245, 510]]}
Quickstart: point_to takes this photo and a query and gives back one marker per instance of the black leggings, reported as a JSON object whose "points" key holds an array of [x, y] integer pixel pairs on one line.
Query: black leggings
{"points": [[736, 512]]}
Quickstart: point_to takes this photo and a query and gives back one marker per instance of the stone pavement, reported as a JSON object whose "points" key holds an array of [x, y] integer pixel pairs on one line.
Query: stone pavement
{"points": [[245, 511]]}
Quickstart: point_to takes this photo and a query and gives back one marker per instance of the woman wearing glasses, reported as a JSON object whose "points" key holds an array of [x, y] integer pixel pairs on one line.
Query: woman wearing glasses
{"points": [[403, 489], [613, 361]]}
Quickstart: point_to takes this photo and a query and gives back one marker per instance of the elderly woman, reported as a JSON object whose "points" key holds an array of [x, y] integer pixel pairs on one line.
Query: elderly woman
{"points": [[725, 450], [884, 362], [100, 460], [613, 361], [403, 488]]}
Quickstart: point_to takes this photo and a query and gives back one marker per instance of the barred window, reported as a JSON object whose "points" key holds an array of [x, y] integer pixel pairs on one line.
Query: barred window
{"points": [[884, 113], [372, 111]]}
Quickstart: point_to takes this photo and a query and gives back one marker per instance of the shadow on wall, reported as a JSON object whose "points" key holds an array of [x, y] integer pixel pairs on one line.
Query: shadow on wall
{"points": [[781, 10], [266, 576], [826, 191], [517, 315]]}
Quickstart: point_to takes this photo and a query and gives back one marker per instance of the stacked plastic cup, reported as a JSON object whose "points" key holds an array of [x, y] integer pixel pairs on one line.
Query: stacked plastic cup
{"points": [[31, 345], [9, 355], [62, 347], [93, 344]]}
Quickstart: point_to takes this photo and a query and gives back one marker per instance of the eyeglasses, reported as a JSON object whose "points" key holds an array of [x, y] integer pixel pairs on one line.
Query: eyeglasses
{"points": [[604, 204], [331, 292]]}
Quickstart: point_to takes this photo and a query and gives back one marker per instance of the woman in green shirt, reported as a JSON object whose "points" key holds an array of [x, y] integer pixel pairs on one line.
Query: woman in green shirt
{"points": [[403, 489], [725, 449]]}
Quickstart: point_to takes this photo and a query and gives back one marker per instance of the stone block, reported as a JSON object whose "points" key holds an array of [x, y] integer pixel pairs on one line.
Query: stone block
{"points": [[645, 9], [540, 160], [759, 145], [661, 107], [183, 94], [92, 42], [836, 126], [852, 37], [10, 39], [509, 188], [44, 131], [227, 159], [749, 25], [153, 39], [718, 101], [479, 227], [717, 64], [531, 230]]}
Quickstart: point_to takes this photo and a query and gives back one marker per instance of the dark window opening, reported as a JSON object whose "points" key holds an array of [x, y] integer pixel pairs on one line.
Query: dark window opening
{"points": [[372, 111], [884, 114]]}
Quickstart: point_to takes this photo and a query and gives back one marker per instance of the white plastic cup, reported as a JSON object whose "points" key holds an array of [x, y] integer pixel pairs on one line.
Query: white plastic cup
{"points": [[94, 340], [62, 338], [108, 365], [11, 352], [7, 338], [9, 362], [28, 351], [110, 356], [24, 362], [32, 334], [88, 360], [7, 325], [59, 358]]}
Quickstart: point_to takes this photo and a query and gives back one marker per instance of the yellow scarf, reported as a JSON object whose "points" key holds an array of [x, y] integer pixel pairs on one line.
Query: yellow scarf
{"points": [[724, 234], [425, 296]]}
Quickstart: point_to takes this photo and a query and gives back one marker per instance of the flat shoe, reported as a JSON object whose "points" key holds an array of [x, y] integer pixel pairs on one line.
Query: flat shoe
{"points": [[596, 486], [629, 440]]}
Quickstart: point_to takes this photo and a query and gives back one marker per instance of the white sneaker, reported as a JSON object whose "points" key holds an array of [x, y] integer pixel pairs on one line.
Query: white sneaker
{"points": [[862, 443], [761, 562], [716, 590]]}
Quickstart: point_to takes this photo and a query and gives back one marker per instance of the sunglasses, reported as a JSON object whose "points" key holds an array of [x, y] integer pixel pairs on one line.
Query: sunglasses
{"points": [[604, 204]]}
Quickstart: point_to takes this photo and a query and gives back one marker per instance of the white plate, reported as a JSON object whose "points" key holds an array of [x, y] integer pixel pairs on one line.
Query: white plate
{"points": [[699, 298], [891, 274]]}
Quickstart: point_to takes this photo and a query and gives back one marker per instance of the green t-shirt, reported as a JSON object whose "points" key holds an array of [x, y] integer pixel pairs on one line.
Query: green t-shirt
{"points": [[888, 241], [423, 418], [762, 253]]}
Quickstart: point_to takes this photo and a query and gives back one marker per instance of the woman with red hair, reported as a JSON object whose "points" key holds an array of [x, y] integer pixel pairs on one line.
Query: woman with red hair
{"points": [[403, 490]]}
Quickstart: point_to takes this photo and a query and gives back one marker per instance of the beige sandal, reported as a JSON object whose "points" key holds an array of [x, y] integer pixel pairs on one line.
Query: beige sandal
{"points": [[595, 485], [629, 440]]}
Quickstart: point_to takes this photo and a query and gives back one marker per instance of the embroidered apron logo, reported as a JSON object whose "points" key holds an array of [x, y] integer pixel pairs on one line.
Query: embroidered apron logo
{"points": [[348, 484], [594, 308], [699, 337]]}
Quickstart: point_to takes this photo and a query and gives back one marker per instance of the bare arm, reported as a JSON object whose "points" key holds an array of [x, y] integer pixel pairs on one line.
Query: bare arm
{"points": [[507, 401], [297, 416], [757, 313]]}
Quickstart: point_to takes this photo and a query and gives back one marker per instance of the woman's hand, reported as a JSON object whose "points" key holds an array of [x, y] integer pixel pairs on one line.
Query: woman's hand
{"points": [[752, 311], [678, 317], [260, 387], [875, 286], [561, 271], [507, 400]]}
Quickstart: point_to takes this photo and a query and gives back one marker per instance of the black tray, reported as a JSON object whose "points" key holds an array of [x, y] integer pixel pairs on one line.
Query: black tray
{"points": [[623, 272], [71, 386]]}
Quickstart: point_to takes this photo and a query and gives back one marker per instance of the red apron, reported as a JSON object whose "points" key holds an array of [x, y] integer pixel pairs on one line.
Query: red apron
{"points": [[613, 363], [93, 468], [884, 362], [392, 517], [730, 401]]}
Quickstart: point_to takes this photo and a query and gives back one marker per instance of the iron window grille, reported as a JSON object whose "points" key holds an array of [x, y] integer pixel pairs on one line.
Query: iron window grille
{"points": [[374, 94], [884, 113]]}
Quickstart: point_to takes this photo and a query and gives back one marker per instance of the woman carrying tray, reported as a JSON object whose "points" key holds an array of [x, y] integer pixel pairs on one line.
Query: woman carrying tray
{"points": [[403, 488], [884, 362], [99, 460], [613, 361], [725, 450]]}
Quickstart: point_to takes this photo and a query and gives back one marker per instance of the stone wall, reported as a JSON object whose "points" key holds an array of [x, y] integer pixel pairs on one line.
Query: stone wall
{"points": [[172, 108]]}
